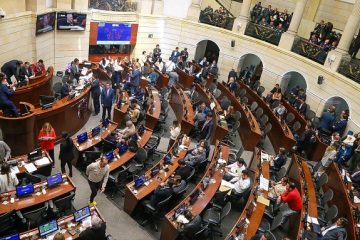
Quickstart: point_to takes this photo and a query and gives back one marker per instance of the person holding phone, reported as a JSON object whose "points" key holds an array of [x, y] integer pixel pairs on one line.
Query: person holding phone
{"points": [[47, 137]]}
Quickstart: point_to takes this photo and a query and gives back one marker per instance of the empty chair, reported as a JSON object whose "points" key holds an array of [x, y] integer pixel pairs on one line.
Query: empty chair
{"points": [[152, 145], [235, 154], [156, 212], [310, 114], [253, 106], [330, 214], [263, 120], [191, 175], [266, 130], [138, 163], [322, 180], [259, 112], [225, 103], [214, 218], [194, 99], [236, 116], [277, 221], [325, 198], [260, 90], [7, 221], [212, 87], [242, 93], [163, 93], [117, 181], [244, 100], [275, 104], [232, 133], [108, 146], [256, 85], [280, 174], [65, 205], [164, 108], [57, 90], [289, 118], [35, 217], [217, 93], [296, 126]]}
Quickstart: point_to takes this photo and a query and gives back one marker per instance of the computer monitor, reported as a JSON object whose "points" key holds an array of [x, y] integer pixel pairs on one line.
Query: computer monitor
{"points": [[155, 170], [83, 137], [167, 158], [109, 156], [139, 181], [11, 237], [54, 180], [24, 190], [106, 123], [81, 214], [95, 131], [48, 228], [46, 101], [35, 155]]}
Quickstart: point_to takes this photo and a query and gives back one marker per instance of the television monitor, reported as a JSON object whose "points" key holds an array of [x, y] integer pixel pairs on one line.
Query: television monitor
{"points": [[167, 158], [155, 170], [24, 190], [54, 180], [95, 131], [46, 101], [139, 181], [83, 137], [113, 33], [81, 214], [45, 23], [106, 123], [109, 156], [48, 228], [11, 237], [71, 21], [35, 155]]}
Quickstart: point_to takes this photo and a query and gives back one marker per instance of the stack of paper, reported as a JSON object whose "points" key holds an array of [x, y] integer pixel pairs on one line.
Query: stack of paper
{"points": [[264, 183], [263, 200], [30, 167], [15, 170], [43, 161], [264, 156]]}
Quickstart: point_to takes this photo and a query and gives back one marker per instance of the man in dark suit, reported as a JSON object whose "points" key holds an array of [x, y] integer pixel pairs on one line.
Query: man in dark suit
{"points": [[336, 231], [232, 74], [183, 170], [24, 74], [6, 105], [327, 120], [135, 80], [279, 160], [340, 125], [184, 54], [95, 94], [107, 100], [175, 54], [156, 53], [10, 69], [207, 128], [75, 70], [301, 106], [66, 88]]}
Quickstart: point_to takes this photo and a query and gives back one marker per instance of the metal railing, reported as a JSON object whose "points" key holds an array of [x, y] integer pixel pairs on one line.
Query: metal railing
{"points": [[267, 34], [350, 68], [114, 5], [217, 20], [309, 50]]}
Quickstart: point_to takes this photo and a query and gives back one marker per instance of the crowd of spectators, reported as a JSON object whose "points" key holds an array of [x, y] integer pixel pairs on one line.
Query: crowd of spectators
{"points": [[220, 17], [324, 36], [271, 18]]}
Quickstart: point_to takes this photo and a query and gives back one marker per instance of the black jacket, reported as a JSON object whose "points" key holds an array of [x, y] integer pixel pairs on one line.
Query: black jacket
{"points": [[66, 150], [94, 234], [184, 172]]}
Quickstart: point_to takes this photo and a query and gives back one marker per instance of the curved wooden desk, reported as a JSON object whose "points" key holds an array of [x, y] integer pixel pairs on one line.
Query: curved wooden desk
{"points": [[170, 226], [154, 110], [43, 169], [280, 134], [119, 113], [220, 127], [63, 224], [65, 115], [181, 105], [163, 79], [197, 68], [185, 80], [39, 85], [133, 197], [66, 187], [319, 147], [249, 130]]}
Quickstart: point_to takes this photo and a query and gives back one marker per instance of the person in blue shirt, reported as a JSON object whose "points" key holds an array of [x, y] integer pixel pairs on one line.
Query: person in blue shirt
{"points": [[135, 79], [107, 100], [7, 106], [152, 78], [327, 120], [340, 125]]}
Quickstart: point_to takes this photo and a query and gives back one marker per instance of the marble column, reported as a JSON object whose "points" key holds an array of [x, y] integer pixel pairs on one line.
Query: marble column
{"points": [[335, 56], [241, 21], [287, 38], [194, 10]]}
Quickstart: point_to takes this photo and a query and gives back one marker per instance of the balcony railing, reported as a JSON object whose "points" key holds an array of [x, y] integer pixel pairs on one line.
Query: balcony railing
{"points": [[217, 20], [267, 34], [114, 5], [350, 68], [309, 50]]}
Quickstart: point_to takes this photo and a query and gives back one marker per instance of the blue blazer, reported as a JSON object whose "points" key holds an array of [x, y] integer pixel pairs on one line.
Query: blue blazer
{"points": [[340, 126], [135, 78], [326, 121], [5, 93], [107, 100]]}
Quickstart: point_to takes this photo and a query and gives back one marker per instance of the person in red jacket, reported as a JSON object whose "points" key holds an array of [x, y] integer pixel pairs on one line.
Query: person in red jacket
{"points": [[47, 138], [293, 199]]}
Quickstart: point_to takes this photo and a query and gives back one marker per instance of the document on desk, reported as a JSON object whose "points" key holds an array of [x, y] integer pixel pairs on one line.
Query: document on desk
{"points": [[263, 200], [356, 199], [84, 71], [30, 167], [264, 183], [43, 161], [264, 157], [227, 184], [15, 169]]}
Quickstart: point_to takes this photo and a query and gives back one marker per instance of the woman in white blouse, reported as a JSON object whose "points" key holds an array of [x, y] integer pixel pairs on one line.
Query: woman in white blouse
{"points": [[175, 131], [8, 179]]}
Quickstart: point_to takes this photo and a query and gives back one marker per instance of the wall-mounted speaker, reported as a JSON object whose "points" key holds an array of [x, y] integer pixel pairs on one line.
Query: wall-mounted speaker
{"points": [[150, 35], [320, 80], [232, 43]]}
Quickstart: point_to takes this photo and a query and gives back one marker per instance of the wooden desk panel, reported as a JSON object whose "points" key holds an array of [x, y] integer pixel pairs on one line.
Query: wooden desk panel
{"points": [[40, 85], [163, 79], [62, 223], [131, 199], [170, 228], [43, 169], [180, 103], [35, 199], [280, 134], [185, 80], [311, 194], [153, 113], [119, 113], [249, 130], [92, 141]]}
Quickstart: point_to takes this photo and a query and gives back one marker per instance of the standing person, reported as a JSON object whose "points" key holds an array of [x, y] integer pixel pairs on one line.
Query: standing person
{"points": [[135, 79], [66, 153], [107, 100], [156, 53], [95, 94], [8, 179], [98, 174], [47, 137], [175, 131], [5, 152]]}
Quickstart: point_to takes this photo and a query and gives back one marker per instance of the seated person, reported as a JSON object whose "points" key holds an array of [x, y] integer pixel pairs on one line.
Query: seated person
{"points": [[200, 113], [279, 160], [112, 138], [300, 106], [5, 152], [59, 236], [232, 85], [6, 104], [276, 88], [278, 188], [207, 127], [24, 74], [336, 231], [163, 191], [179, 184], [127, 132], [184, 170], [193, 225], [197, 155], [280, 110], [134, 112], [228, 114], [268, 97], [66, 88], [293, 199], [240, 186], [355, 176], [97, 230], [233, 171]]}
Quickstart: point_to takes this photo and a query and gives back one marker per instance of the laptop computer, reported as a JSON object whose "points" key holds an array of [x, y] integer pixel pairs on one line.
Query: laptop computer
{"points": [[109, 156], [48, 228], [24, 190], [35, 155], [155, 170], [95, 131], [81, 138], [139, 181], [54, 180], [81, 214]]}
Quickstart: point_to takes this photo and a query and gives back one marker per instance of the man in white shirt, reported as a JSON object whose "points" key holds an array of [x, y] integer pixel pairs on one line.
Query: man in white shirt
{"points": [[98, 174], [169, 66], [242, 184], [233, 171], [336, 231]]}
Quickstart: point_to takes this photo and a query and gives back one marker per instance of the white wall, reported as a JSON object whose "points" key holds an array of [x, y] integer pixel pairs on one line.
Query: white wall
{"points": [[176, 8]]}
